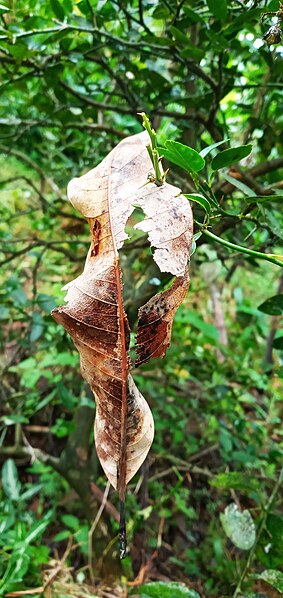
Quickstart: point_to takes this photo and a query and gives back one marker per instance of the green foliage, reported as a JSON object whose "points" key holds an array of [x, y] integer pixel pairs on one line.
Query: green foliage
{"points": [[20, 530], [182, 155], [230, 156], [161, 589]]}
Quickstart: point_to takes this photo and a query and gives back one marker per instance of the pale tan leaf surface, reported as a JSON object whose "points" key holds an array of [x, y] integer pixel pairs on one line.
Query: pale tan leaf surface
{"points": [[169, 224], [94, 314]]}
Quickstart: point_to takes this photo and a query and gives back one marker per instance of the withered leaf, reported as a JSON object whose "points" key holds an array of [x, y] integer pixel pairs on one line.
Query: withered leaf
{"points": [[94, 315]]}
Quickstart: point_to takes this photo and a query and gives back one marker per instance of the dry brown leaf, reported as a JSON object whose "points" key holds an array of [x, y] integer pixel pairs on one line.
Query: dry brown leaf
{"points": [[94, 315]]}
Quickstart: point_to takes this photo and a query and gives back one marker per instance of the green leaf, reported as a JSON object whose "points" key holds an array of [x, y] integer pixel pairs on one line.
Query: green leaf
{"points": [[238, 526], [230, 156], [194, 245], [272, 306], [84, 7], [200, 199], [38, 528], [11, 420], [10, 480], [71, 521], [3, 9], [218, 8], [273, 577], [179, 36], [182, 155], [278, 343], [209, 148], [37, 327], [238, 184], [236, 480], [46, 302], [58, 10], [163, 589], [63, 535]]}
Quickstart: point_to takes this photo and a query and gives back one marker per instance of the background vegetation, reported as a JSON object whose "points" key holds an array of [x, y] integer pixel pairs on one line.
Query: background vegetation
{"points": [[74, 75]]}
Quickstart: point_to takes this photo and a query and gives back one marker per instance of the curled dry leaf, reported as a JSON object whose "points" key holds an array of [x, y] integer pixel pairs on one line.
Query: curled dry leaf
{"points": [[94, 315]]}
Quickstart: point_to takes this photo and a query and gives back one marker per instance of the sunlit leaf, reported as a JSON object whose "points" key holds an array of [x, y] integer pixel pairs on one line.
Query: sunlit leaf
{"points": [[182, 155], [238, 526], [200, 199]]}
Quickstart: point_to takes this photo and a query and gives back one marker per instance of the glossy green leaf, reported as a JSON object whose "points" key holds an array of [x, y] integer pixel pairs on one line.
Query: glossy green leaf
{"points": [[10, 480], [182, 155], [272, 306], [58, 10], [209, 148], [274, 578], [163, 589], [230, 156], [200, 199], [238, 526], [218, 8]]}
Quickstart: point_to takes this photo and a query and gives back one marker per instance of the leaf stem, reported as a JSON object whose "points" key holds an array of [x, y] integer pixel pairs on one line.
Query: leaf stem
{"points": [[153, 151], [265, 513], [269, 257]]}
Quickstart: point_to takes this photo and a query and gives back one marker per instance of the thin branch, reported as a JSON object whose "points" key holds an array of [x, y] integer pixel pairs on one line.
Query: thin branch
{"points": [[43, 200], [21, 156], [266, 167], [269, 257], [92, 30], [127, 110], [48, 244], [54, 125]]}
